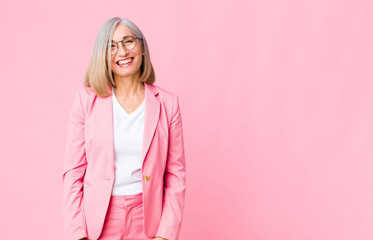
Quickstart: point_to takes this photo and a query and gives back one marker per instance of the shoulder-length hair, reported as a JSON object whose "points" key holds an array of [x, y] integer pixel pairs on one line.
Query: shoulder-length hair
{"points": [[99, 75]]}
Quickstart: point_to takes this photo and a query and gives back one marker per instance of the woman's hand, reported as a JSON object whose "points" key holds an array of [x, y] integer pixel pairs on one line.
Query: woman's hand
{"points": [[160, 238]]}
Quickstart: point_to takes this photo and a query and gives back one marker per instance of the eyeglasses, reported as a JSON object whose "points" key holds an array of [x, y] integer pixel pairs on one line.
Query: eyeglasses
{"points": [[128, 42]]}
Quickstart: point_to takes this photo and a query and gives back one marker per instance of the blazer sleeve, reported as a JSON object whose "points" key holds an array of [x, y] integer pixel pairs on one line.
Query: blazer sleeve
{"points": [[174, 179], [73, 173]]}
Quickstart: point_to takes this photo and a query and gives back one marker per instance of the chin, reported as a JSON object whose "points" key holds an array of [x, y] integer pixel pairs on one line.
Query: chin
{"points": [[121, 74]]}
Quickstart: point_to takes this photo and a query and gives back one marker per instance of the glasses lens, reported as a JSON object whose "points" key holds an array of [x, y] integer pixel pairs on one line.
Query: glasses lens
{"points": [[129, 42]]}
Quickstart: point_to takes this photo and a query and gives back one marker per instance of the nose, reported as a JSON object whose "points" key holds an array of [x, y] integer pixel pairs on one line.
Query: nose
{"points": [[121, 49]]}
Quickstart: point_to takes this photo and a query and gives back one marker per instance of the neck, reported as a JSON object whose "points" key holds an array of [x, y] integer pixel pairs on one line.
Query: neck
{"points": [[128, 87]]}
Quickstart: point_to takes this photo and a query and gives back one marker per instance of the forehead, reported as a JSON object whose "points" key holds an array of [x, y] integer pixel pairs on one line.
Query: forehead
{"points": [[121, 31]]}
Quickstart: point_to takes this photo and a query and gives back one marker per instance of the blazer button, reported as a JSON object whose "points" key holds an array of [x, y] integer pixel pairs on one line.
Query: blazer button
{"points": [[147, 178]]}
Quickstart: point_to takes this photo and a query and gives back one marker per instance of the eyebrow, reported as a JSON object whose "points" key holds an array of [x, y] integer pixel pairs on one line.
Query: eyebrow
{"points": [[121, 38]]}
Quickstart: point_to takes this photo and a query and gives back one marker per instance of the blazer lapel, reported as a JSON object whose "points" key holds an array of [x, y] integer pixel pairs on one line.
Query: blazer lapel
{"points": [[152, 110]]}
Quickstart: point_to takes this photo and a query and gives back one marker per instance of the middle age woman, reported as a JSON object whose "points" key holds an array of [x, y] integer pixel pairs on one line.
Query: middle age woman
{"points": [[124, 169]]}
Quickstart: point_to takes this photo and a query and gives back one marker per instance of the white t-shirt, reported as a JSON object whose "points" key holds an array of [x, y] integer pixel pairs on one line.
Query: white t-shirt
{"points": [[128, 140]]}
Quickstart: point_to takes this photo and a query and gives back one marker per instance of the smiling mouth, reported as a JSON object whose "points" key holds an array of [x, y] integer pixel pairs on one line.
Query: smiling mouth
{"points": [[125, 62]]}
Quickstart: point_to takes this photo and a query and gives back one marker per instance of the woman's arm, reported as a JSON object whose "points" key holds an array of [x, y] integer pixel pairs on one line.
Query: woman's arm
{"points": [[74, 169], [174, 179]]}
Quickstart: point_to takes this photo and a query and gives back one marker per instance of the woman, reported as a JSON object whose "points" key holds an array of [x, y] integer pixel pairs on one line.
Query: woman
{"points": [[124, 168]]}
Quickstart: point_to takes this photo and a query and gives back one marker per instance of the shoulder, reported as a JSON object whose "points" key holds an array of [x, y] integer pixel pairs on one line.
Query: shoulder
{"points": [[86, 92], [169, 99], [167, 96], [85, 96]]}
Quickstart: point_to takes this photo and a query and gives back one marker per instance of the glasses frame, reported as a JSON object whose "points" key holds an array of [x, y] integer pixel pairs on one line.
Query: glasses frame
{"points": [[124, 38]]}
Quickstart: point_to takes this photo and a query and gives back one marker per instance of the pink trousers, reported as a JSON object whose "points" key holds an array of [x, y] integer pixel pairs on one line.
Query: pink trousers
{"points": [[124, 219]]}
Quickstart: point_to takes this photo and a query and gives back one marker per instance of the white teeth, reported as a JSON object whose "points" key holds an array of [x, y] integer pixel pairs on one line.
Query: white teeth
{"points": [[125, 62]]}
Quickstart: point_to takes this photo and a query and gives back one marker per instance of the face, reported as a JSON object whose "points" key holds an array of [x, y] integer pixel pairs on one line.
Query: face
{"points": [[129, 69]]}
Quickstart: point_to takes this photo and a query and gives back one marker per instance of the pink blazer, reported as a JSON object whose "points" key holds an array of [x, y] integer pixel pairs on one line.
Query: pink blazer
{"points": [[88, 172]]}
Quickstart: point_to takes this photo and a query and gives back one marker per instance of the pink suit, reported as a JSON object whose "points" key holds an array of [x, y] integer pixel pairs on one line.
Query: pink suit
{"points": [[88, 175]]}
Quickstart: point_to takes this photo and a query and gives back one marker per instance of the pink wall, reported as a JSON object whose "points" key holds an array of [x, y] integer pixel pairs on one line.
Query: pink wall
{"points": [[276, 100]]}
